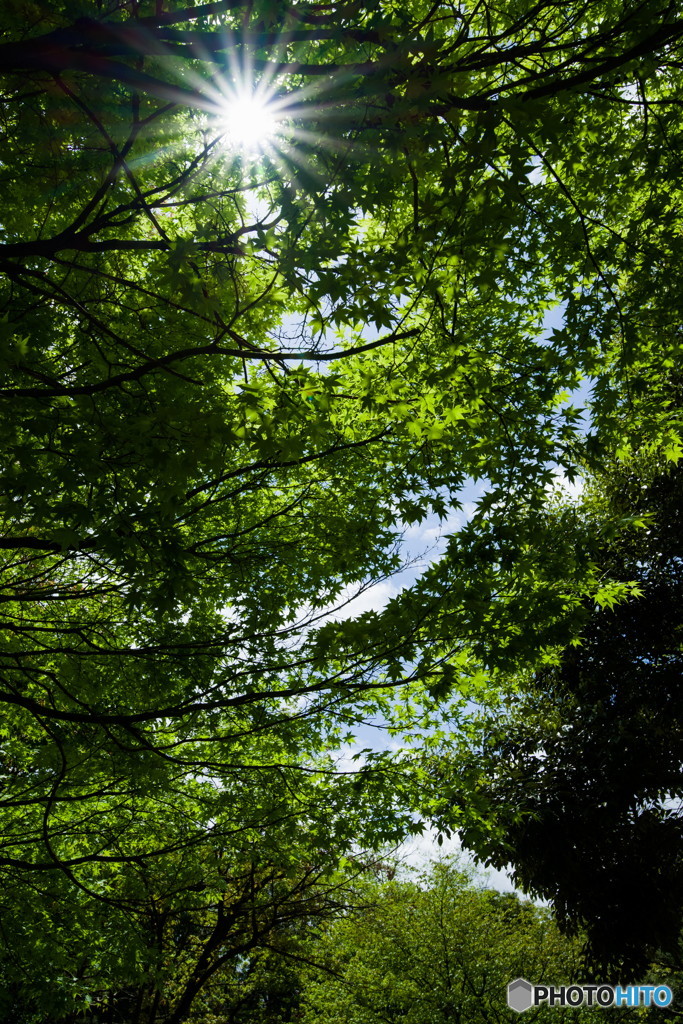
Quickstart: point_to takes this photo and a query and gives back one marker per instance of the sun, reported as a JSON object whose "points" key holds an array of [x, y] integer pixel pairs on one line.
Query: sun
{"points": [[253, 121], [249, 123]]}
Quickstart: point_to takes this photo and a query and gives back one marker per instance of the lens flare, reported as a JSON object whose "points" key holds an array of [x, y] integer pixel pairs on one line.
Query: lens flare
{"points": [[249, 123]]}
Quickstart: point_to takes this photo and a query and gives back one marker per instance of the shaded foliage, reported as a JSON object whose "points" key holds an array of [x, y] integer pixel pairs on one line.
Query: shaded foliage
{"points": [[583, 778]]}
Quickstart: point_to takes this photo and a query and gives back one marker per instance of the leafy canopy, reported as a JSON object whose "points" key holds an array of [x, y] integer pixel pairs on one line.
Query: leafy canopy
{"points": [[228, 385]]}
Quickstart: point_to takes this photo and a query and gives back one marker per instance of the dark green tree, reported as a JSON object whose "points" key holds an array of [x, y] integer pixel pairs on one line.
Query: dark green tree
{"points": [[582, 776]]}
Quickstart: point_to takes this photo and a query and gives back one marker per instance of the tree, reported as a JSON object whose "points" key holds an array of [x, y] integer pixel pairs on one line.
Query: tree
{"points": [[159, 955], [581, 778], [227, 386], [438, 949]]}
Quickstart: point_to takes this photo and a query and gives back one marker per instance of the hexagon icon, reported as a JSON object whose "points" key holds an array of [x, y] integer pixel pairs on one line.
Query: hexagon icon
{"points": [[520, 995]]}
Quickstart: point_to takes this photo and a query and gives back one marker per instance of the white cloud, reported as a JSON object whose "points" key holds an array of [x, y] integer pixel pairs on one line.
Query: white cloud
{"points": [[419, 850], [351, 602], [348, 758], [572, 489], [431, 534], [537, 173]]}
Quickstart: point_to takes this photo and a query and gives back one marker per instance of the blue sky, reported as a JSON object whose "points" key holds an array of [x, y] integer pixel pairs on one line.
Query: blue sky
{"points": [[422, 544]]}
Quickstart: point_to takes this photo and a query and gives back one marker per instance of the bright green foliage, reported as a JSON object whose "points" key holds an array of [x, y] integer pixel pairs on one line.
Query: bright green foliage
{"points": [[438, 949], [227, 386]]}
